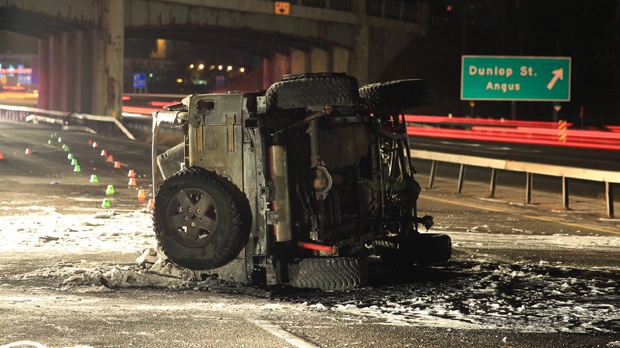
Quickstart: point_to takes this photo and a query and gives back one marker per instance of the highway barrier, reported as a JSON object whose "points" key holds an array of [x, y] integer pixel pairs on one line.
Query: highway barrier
{"points": [[67, 120], [608, 177]]}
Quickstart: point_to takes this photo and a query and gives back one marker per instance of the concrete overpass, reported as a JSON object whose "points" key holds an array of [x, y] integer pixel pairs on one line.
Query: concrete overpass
{"points": [[81, 42]]}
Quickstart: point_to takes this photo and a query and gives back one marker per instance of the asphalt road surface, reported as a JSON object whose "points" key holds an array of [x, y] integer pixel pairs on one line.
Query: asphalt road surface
{"points": [[521, 275]]}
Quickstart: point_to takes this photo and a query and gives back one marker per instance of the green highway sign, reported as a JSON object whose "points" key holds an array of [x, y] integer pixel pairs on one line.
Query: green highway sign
{"points": [[515, 78]]}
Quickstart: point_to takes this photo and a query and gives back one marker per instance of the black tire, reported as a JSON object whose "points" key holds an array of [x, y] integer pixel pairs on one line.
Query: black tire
{"points": [[220, 212], [312, 90], [396, 96], [328, 273], [424, 248]]}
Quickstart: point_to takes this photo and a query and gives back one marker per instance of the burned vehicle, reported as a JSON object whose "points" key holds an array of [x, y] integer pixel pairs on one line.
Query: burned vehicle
{"points": [[297, 185]]}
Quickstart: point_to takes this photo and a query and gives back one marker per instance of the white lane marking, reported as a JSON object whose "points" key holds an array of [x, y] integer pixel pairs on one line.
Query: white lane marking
{"points": [[23, 343], [283, 334], [32, 344]]}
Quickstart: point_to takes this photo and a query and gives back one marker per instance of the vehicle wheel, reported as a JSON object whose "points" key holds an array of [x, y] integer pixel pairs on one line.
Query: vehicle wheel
{"points": [[316, 89], [395, 96], [201, 220], [328, 273], [421, 248]]}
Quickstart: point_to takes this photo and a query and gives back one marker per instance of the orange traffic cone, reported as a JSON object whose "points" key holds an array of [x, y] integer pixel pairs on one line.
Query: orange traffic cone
{"points": [[117, 165], [131, 174], [151, 204], [1, 156], [141, 196], [110, 158], [95, 145], [28, 152], [90, 142], [132, 182], [104, 153]]}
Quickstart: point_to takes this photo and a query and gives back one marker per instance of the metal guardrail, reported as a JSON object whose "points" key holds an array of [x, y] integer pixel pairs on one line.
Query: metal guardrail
{"points": [[67, 120], [608, 177]]}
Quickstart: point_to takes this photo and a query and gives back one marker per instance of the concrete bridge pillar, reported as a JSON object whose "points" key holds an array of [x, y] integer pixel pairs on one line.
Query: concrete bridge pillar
{"points": [[267, 73], [67, 77], [359, 65], [274, 68], [44, 71], [300, 61], [83, 71], [340, 60], [82, 86], [55, 72], [108, 59], [320, 60], [281, 66], [60, 73]]}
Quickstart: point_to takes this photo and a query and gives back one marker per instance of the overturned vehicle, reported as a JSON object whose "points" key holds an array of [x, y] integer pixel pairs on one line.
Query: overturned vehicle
{"points": [[297, 185]]}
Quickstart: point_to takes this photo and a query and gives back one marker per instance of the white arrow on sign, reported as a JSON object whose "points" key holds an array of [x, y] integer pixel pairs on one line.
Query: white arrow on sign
{"points": [[557, 74]]}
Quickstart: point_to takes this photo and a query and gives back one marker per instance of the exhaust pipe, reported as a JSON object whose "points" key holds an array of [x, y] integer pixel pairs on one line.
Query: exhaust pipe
{"points": [[279, 174]]}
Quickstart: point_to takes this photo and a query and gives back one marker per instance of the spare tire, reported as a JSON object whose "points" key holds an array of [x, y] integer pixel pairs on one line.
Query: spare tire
{"points": [[328, 273], [396, 96], [201, 220], [312, 90]]}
